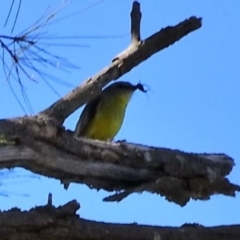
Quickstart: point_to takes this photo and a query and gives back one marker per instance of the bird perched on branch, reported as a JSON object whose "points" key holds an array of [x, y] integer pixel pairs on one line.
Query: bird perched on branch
{"points": [[102, 117]]}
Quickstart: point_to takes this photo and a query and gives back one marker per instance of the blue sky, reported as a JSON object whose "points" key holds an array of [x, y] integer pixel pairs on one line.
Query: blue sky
{"points": [[192, 105]]}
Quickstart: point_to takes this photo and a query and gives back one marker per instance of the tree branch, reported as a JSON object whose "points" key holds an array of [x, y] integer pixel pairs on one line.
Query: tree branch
{"points": [[135, 23], [38, 144], [63, 223], [136, 53], [43, 148]]}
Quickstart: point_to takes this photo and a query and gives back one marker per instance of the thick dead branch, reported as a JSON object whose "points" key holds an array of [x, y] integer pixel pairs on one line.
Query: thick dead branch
{"points": [[39, 145], [179, 176], [48, 222], [136, 53]]}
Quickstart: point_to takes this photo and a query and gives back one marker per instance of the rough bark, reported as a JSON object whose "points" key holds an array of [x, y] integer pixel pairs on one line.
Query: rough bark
{"points": [[123, 167], [42, 145], [48, 222]]}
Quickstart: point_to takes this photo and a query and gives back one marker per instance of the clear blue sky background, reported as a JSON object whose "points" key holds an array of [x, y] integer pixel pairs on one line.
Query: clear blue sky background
{"points": [[193, 104]]}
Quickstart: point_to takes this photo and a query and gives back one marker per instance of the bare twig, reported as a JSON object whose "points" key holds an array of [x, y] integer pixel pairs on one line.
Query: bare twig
{"points": [[136, 23], [16, 15], [26, 55], [9, 13]]}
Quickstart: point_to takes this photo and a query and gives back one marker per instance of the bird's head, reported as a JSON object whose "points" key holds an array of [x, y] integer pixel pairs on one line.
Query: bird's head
{"points": [[123, 88]]}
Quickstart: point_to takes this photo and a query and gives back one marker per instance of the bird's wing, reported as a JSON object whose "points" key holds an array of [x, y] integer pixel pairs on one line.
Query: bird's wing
{"points": [[88, 113]]}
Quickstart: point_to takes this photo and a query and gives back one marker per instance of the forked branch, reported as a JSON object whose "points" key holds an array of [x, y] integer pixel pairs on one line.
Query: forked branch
{"points": [[137, 52], [44, 147]]}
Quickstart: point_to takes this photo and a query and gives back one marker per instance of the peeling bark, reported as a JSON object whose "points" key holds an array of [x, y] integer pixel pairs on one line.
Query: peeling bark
{"points": [[114, 166], [42, 145]]}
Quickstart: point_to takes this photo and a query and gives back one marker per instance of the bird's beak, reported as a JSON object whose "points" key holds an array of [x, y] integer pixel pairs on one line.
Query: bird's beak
{"points": [[140, 87]]}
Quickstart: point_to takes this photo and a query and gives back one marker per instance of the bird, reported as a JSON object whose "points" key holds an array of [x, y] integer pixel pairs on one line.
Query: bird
{"points": [[103, 116]]}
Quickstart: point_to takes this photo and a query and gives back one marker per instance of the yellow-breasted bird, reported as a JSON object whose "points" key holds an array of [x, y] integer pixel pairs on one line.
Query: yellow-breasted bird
{"points": [[102, 117]]}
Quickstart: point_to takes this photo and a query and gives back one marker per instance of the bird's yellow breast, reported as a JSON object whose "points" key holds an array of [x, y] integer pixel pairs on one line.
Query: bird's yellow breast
{"points": [[108, 118]]}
